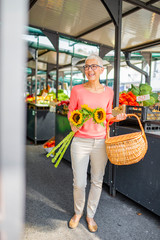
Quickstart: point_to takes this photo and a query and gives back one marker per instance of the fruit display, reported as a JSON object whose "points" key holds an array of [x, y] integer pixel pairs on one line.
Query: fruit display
{"points": [[49, 144], [128, 98], [46, 98], [62, 96], [62, 107], [29, 98], [64, 102]]}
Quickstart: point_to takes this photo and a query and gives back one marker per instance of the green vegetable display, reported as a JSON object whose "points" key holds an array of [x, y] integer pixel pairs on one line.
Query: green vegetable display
{"points": [[134, 90], [61, 95], [144, 89], [149, 102], [155, 95]]}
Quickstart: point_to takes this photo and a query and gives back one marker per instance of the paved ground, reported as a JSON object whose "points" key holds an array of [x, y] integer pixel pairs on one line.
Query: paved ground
{"points": [[49, 206]]}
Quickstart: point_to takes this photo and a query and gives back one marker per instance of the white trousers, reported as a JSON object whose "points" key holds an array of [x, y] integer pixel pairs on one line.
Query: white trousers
{"points": [[83, 150]]}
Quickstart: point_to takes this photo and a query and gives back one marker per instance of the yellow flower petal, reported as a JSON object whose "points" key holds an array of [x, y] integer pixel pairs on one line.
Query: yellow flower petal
{"points": [[99, 115], [85, 106], [76, 117]]}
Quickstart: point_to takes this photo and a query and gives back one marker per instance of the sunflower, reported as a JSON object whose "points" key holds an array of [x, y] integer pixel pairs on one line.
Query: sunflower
{"points": [[85, 107], [76, 117], [99, 115]]}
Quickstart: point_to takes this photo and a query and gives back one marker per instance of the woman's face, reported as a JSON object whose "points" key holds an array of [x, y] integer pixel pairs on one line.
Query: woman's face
{"points": [[93, 74]]}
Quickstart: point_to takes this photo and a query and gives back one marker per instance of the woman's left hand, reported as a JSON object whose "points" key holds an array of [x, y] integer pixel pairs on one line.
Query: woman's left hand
{"points": [[121, 116]]}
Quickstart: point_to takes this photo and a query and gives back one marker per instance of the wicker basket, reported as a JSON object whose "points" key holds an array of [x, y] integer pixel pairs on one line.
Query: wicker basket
{"points": [[126, 149]]}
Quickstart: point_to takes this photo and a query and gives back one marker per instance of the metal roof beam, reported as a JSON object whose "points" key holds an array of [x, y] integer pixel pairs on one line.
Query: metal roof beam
{"points": [[45, 62], [112, 9], [142, 46], [31, 3], [72, 37], [29, 59], [63, 66], [143, 5], [152, 2], [110, 21], [103, 51]]}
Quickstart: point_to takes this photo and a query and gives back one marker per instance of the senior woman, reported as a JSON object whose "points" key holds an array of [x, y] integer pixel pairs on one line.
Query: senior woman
{"points": [[89, 142]]}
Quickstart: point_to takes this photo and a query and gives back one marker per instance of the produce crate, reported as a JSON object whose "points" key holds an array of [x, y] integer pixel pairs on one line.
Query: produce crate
{"points": [[145, 113]]}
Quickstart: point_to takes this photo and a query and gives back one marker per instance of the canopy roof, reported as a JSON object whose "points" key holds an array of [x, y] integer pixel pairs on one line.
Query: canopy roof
{"points": [[89, 20], [47, 53]]}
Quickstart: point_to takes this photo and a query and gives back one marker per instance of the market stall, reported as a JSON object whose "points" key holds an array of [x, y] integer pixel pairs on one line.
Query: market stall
{"points": [[41, 114], [40, 123]]}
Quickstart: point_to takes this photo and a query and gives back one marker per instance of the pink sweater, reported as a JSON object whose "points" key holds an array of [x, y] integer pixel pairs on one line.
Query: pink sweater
{"points": [[79, 96]]}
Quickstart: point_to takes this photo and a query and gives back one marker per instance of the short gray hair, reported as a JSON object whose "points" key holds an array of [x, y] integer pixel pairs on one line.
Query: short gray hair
{"points": [[99, 59]]}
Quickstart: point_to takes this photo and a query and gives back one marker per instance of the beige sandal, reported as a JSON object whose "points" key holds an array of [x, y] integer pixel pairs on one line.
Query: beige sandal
{"points": [[72, 223], [92, 228]]}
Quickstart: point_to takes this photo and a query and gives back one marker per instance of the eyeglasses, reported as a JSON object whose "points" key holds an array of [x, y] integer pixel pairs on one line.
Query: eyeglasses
{"points": [[93, 67]]}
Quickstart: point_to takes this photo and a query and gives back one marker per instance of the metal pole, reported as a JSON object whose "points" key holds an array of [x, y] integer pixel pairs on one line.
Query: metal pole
{"points": [[106, 77], [150, 67], [71, 73], [47, 75], [114, 8], [117, 55], [54, 38], [117, 78], [57, 64], [36, 70], [35, 111], [31, 84], [127, 57]]}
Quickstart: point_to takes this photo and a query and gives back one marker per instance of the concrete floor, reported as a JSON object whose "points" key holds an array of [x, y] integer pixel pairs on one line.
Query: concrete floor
{"points": [[49, 206]]}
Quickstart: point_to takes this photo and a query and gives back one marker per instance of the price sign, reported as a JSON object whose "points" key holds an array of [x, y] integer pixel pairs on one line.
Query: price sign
{"points": [[143, 98], [44, 94]]}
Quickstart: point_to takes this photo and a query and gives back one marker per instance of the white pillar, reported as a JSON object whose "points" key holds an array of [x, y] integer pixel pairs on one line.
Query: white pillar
{"points": [[13, 20]]}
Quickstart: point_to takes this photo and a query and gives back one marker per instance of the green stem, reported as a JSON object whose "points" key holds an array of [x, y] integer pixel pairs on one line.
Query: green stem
{"points": [[59, 159], [59, 151], [61, 148], [84, 121], [53, 150]]}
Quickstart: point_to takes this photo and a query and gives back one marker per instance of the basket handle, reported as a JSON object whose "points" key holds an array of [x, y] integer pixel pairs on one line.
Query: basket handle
{"points": [[128, 115]]}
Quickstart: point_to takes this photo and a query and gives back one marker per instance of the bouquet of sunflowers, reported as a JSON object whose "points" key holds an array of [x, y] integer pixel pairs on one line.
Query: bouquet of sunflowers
{"points": [[77, 118]]}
